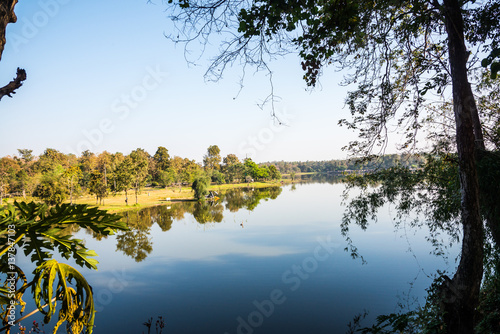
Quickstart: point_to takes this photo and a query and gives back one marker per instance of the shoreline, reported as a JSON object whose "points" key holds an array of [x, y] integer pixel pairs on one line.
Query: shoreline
{"points": [[150, 196], [154, 196]]}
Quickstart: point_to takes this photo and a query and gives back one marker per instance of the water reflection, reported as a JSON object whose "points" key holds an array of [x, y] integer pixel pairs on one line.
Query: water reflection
{"points": [[137, 242], [248, 199], [210, 281], [319, 178]]}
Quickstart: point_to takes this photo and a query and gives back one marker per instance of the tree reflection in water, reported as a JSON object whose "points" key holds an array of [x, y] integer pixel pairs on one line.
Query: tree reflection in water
{"points": [[137, 242]]}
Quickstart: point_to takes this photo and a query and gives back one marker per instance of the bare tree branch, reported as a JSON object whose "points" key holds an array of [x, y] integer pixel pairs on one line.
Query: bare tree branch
{"points": [[7, 16], [17, 82]]}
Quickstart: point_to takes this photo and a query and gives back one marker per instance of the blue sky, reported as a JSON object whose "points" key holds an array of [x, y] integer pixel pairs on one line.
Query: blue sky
{"points": [[102, 76]]}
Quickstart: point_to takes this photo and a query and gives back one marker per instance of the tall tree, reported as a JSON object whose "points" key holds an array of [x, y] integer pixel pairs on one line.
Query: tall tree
{"points": [[162, 158], [139, 159], [124, 176], [189, 171], [398, 52], [8, 169], [200, 187], [71, 176], [87, 163], [212, 159], [51, 188], [274, 173], [26, 155], [232, 168], [50, 159], [159, 164], [98, 186]]}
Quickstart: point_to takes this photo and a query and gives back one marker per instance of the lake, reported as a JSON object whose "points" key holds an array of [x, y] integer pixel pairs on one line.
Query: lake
{"points": [[257, 261]]}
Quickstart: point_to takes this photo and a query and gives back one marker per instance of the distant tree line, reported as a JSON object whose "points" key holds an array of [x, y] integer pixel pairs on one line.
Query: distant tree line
{"points": [[339, 166], [55, 177]]}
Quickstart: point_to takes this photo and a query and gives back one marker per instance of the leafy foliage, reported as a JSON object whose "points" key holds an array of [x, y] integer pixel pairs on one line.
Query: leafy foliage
{"points": [[430, 194], [40, 229], [212, 159], [77, 305], [430, 191], [489, 303], [50, 189], [492, 62], [98, 186], [200, 187]]}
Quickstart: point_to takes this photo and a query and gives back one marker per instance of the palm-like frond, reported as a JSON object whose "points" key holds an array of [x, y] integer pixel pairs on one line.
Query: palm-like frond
{"points": [[39, 229]]}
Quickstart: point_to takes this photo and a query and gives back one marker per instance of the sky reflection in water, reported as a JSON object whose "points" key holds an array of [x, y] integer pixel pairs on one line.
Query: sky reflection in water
{"points": [[283, 271]]}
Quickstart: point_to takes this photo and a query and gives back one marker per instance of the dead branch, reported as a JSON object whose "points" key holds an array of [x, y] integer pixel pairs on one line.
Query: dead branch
{"points": [[7, 16], [17, 82]]}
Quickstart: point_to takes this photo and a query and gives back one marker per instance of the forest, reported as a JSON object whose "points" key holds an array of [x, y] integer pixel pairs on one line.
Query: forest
{"points": [[55, 177]]}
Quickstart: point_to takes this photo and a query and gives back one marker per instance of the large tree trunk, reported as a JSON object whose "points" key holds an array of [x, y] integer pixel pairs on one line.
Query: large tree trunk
{"points": [[7, 16], [462, 292]]}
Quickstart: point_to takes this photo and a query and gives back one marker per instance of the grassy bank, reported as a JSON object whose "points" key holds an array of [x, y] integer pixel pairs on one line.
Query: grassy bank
{"points": [[157, 196]]}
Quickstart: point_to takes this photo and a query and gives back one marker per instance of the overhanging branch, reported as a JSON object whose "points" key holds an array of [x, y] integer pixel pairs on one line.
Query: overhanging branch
{"points": [[11, 87]]}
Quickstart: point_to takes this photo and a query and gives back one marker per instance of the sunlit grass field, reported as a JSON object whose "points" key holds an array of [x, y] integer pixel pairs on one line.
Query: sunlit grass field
{"points": [[157, 196]]}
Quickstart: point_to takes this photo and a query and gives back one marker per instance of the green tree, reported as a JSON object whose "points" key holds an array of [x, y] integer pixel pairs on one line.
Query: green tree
{"points": [[232, 168], [218, 177], [71, 177], [50, 159], [98, 187], [139, 161], [212, 159], [231, 159], [124, 172], [51, 188], [8, 170], [254, 171], [189, 171], [87, 163], [26, 155], [162, 158], [200, 187], [158, 164], [23, 181], [274, 173], [111, 170], [398, 51], [167, 177]]}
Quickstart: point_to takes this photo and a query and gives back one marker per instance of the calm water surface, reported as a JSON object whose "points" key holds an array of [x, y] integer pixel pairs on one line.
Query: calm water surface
{"points": [[262, 261]]}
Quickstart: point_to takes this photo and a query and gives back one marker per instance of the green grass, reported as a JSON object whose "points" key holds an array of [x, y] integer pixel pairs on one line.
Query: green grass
{"points": [[148, 197], [157, 196]]}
